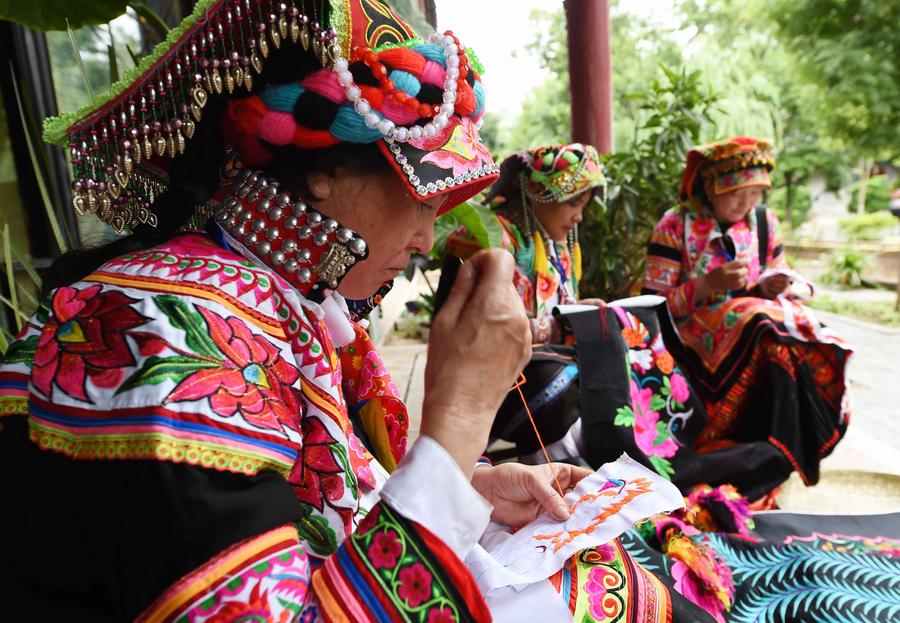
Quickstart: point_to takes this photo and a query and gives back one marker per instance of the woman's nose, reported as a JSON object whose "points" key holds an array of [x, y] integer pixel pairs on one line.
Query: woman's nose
{"points": [[423, 239]]}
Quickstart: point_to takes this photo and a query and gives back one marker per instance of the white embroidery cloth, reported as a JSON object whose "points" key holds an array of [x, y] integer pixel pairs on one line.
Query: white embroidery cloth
{"points": [[605, 504]]}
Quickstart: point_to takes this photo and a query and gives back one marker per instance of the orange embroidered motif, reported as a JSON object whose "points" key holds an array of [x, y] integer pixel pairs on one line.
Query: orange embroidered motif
{"points": [[622, 493]]}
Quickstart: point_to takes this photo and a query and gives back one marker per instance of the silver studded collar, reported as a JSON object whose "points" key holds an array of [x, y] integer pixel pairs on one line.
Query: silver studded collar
{"points": [[308, 249]]}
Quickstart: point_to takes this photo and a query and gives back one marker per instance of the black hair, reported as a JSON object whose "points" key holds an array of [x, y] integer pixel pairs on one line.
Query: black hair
{"points": [[194, 176]]}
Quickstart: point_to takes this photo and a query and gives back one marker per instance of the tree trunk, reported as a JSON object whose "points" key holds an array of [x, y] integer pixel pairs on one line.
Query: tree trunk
{"points": [[864, 171]]}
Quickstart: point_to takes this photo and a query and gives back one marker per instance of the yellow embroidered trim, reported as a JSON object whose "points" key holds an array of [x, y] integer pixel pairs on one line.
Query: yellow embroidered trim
{"points": [[151, 446], [13, 405]]}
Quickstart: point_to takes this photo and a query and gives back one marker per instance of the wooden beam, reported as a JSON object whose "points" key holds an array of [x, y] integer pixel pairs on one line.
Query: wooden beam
{"points": [[590, 72]]}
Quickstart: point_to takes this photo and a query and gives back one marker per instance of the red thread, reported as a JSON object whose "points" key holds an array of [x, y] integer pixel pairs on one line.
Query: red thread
{"points": [[518, 386], [465, 101], [404, 59], [373, 95], [313, 139], [247, 112]]}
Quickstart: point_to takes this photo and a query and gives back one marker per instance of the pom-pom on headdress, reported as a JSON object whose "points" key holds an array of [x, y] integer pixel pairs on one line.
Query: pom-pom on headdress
{"points": [[564, 172], [420, 100], [730, 164]]}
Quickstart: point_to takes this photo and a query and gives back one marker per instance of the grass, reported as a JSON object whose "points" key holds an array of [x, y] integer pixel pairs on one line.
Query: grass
{"points": [[879, 312]]}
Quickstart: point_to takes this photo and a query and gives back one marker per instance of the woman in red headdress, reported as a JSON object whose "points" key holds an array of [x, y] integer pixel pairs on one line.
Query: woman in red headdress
{"points": [[771, 376]]}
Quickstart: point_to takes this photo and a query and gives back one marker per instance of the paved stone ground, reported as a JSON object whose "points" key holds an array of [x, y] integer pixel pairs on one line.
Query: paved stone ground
{"points": [[872, 442]]}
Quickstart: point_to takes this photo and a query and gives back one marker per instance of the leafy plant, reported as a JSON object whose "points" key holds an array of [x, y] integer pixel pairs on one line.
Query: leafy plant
{"points": [[868, 227], [477, 219], [644, 182], [847, 267], [879, 311], [878, 193]]}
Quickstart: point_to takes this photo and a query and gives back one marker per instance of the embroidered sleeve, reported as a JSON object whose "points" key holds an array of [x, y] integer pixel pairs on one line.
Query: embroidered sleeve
{"points": [[663, 273], [391, 569]]}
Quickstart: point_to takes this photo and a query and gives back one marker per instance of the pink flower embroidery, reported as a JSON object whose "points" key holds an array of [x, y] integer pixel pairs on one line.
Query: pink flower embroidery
{"points": [[365, 476], [441, 615], [253, 379], [680, 391], [85, 338], [645, 421], [600, 579], [462, 152], [385, 550], [415, 585], [689, 586]]}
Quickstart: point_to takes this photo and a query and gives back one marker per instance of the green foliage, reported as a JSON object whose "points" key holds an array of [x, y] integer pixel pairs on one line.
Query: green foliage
{"points": [[850, 50], [800, 202], [546, 113], [52, 14], [643, 183], [847, 268], [478, 220], [878, 193], [881, 312], [868, 227]]}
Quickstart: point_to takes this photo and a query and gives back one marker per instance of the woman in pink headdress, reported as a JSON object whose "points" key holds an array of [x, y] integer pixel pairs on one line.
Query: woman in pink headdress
{"points": [[771, 377]]}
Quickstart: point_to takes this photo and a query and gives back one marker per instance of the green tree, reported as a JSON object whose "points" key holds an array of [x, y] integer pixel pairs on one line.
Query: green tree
{"points": [[764, 93], [546, 114], [850, 48], [644, 176]]}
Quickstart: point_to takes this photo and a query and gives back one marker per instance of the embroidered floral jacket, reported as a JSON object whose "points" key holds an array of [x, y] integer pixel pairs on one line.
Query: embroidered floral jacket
{"points": [[184, 417], [540, 290], [686, 245]]}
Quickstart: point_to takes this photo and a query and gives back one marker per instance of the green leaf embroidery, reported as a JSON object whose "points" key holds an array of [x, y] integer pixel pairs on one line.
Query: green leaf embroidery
{"points": [[662, 433], [292, 607], [314, 529], [192, 323], [624, 416], [666, 389], [22, 351], [657, 403], [158, 369], [340, 452], [662, 466]]}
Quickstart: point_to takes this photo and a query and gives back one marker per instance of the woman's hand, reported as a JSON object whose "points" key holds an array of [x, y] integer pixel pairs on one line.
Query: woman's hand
{"points": [[772, 286], [595, 302], [479, 343], [725, 278], [520, 492]]}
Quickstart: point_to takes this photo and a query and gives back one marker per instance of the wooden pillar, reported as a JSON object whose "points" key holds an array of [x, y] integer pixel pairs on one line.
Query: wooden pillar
{"points": [[590, 72]]}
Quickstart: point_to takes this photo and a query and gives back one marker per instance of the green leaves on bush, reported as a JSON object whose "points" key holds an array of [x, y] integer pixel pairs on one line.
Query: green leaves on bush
{"points": [[644, 183]]}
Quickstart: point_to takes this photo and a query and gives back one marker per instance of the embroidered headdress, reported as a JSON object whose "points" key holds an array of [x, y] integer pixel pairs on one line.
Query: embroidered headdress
{"points": [[563, 171], [420, 100], [730, 164]]}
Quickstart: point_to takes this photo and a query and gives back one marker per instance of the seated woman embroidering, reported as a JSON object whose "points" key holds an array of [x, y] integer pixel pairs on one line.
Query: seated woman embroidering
{"points": [[771, 377]]}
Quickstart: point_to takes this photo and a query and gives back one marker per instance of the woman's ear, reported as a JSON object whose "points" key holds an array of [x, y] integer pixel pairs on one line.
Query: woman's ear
{"points": [[320, 185]]}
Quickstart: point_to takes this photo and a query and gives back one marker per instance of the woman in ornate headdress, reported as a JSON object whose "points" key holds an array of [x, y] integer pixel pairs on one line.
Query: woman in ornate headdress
{"points": [[194, 427], [539, 200], [772, 378]]}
